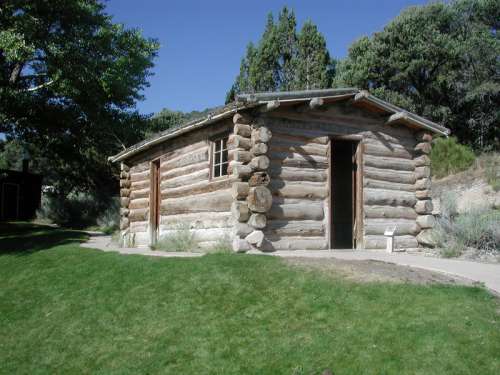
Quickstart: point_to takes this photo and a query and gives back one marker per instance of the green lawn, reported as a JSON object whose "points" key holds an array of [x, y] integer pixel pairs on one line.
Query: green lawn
{"points": [[68, 310]]}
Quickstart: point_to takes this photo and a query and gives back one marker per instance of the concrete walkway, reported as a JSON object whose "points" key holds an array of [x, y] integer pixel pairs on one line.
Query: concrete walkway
{"points": [[486, 273], [101, 242]]}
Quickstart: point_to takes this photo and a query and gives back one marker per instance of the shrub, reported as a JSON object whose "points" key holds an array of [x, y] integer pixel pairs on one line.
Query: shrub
{"points": [[490, 163], [478, 228], [80, 210], [180, 239], [448, 157], [109, 221]]}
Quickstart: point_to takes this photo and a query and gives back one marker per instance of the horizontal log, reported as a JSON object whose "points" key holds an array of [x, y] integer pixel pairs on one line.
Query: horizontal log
{"points": [[283, 145], [139, 176], [198, 220], [388, 198], [403, 226], [142, 184], [187, 179], [139, 227], [255, 238], [138, 214], [124, 192], [423, 194], [300, 139], [124, 202], [388, 212], [124, 223], [176, 172], [303, 228], [299, 211], [124, 167], [292, 159], [216, 201], [125, 184], [303, 190], [240, 171], [184, 160], [375, 184], [381, 149], [198, 235], [389, 163], [139, 203], [179, 149], [313, 130], [139, 193], [196, 188], [240, 245], [237, 141], [335, 122], [423, 184], [422, 172], [380, 242], [422, 160], [240, 155], [295, 243], [402, 177], [276, 171]]}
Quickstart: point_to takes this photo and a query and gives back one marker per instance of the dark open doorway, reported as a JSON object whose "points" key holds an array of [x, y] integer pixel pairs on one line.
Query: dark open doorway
{"points": [[344, 186], [155, 201]]}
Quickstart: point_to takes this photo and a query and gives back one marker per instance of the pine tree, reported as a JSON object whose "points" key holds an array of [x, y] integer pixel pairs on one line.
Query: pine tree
{"points": [[287, 47], [314, 67], [283, 60]]}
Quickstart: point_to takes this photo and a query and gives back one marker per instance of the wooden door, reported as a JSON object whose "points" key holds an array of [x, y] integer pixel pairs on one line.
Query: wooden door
{"points": [[155, 201]]}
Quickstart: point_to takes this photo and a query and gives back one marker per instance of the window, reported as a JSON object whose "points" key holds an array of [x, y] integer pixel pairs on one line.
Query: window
{"points": [[219, 157]]}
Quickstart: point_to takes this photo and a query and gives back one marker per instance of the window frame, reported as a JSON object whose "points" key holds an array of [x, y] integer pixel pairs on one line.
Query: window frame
{"points": [[213, 142]]}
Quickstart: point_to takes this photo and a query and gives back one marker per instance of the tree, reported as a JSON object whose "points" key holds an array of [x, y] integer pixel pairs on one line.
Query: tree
{"points": [[69, 81], [315, 69], [439, 60], [283, 60]]}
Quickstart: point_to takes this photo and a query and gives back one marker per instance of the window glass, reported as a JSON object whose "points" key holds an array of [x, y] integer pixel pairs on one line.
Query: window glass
{"points": [[220, 158]]}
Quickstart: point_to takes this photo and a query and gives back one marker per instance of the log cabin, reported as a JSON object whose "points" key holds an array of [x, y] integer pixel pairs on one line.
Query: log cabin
{"points": [[315, 169]]}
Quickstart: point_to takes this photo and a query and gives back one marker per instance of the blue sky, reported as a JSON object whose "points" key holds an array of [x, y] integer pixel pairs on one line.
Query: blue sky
{"points": [[202, 42]]}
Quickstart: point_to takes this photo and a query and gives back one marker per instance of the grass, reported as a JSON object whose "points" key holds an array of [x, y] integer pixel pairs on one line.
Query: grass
{"points": [[68, 310]]}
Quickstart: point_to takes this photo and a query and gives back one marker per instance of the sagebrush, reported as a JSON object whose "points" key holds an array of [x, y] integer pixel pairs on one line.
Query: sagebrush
{"points": [[448, 157], [478, 228]]}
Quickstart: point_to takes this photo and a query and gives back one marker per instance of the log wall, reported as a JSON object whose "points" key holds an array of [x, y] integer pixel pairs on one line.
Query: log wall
{"points": [[189, 198], [299, 168]]}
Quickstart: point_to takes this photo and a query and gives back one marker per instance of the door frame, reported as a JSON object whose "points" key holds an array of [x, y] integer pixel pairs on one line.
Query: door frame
{"points": [[154, 200], [357, 190]]}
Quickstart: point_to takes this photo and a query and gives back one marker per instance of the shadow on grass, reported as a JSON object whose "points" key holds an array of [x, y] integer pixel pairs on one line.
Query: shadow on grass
{"points": [[26, 238]]}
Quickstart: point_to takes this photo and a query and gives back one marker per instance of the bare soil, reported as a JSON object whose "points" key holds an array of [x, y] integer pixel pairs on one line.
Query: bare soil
{"points": [[366, 271]]}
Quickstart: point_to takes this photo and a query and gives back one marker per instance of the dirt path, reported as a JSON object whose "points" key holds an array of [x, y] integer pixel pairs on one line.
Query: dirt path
{"points": [[377, 271]]}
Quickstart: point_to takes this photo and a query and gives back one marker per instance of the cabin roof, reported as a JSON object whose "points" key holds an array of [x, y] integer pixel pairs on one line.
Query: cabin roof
{"points": [[272, 100]]}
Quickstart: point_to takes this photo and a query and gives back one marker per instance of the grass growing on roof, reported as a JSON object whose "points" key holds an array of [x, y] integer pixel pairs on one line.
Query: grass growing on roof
{"points": [[68, 310]]}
